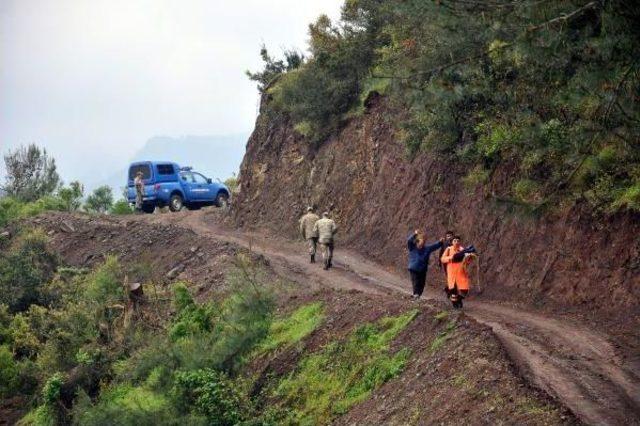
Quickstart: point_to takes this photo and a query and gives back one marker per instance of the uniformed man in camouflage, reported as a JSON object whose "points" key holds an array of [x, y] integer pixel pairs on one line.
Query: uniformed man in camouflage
{"points": [[138, 182], [326, 229], [307, 223]]}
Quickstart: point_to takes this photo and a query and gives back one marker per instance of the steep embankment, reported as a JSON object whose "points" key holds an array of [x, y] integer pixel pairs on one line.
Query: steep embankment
{"points": [[376, 194], [340, 356]]}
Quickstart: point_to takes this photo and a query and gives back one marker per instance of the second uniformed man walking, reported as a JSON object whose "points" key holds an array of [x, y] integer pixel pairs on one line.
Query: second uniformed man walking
{"points": [[326, 228], [309, 233]]}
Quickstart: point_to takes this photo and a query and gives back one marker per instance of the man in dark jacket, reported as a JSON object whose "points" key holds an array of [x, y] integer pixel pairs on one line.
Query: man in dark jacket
{"points": [[419, 260]]}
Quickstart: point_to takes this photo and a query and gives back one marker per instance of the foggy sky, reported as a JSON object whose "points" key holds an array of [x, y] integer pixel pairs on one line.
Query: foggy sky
{"points": [[92, 80]]}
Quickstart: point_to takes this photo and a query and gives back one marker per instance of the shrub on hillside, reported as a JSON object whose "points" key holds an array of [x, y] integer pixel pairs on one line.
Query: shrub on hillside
{"points": [[121, 207], [100, 200], [24, 268], [212, 394], [232, 183], [71, 196], [30, 173], [12, 209], [125, 405], [273, 68], [8, 372]]}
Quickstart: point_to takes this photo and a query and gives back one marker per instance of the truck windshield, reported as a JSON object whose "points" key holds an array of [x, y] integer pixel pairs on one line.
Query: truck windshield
{"points": [[144, 168]]}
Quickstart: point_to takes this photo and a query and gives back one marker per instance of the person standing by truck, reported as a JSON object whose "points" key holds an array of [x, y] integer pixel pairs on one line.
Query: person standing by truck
{"points": [[326, 229], [307, 225], [138, 182]]}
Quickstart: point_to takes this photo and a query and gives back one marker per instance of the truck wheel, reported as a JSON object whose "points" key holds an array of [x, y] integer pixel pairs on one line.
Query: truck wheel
{"points": [[148, 208], [222, 200], [176, 203]]}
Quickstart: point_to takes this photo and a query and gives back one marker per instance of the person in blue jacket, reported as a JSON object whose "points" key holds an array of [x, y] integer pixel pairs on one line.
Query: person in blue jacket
{"points": [[419, 254]]}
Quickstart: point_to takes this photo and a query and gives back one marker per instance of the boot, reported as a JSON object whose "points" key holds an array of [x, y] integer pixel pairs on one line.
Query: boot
{"points": [[313, 258]]}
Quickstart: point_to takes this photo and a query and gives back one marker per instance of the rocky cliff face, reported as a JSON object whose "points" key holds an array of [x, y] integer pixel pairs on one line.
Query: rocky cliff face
{"points": [[377, 195]]}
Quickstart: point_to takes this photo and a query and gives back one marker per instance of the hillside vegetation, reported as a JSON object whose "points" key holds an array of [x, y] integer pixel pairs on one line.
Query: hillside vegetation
{"points": [[82, 350], [226, 341], [544, 93]]}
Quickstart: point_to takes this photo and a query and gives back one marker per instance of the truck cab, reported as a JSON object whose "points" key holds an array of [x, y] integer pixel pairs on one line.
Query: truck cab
{"points": [[168, 184]]}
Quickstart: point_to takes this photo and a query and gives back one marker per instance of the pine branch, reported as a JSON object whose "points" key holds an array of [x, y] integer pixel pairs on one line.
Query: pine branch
{"points": [[566, 16], [616, 92], [439, 69]]}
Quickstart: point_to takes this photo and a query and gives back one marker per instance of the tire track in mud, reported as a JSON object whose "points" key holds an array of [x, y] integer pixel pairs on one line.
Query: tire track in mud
{"points": [[573, 364]]}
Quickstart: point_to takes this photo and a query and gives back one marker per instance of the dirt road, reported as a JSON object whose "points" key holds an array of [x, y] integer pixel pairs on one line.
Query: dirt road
{"points": [[574, 364]]}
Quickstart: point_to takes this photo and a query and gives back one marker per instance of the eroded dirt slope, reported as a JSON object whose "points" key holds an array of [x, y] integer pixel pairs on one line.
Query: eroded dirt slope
{"points": [[568, 262], [589, 371], [467, 369]]}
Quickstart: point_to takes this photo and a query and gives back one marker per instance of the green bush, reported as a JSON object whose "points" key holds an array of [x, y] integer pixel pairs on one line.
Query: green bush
{"points": [[127, 406], [42, 415], [5, 322], [232, 183], [12, 209], [24, 269], [190, 318], [71, 196], [8, 372], [213, 395], [318, 94], [52, 388], [494, 138], [478, 176], [121, 207], [630, 198], [100, 200], [49, 412], [104, 285], [527, 191], [219, 335], [24, 342]]}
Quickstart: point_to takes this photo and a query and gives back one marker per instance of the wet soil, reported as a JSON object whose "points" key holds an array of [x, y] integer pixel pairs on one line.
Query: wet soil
{"points": [[580, 368], [564, 261], [584, 369]]}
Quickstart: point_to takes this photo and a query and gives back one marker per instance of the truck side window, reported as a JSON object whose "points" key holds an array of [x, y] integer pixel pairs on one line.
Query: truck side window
{"points": [[198, 178], [187, 177], [165, 169]]}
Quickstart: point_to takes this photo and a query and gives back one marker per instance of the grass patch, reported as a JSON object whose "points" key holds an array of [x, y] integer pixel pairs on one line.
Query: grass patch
{"points": [[441, 316], [443, 336], [532, 407], [124, 405], [326, 384], [460, 381], [290, 330]]}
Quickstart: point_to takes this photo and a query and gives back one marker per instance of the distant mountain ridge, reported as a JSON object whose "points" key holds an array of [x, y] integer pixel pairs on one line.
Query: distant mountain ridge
{"points": [[216, 156]]}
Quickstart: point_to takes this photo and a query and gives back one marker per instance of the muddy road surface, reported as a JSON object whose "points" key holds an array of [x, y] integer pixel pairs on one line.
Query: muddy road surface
{"points": [[574, 364]]}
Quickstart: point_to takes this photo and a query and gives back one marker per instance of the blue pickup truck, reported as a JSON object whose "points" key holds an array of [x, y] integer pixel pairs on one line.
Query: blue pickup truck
{"points": [[168, 184]]}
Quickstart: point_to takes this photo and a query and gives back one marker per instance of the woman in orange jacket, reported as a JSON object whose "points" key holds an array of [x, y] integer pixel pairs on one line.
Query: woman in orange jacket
{"points": [[456, 258]]}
